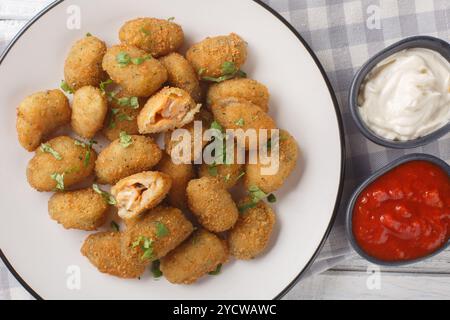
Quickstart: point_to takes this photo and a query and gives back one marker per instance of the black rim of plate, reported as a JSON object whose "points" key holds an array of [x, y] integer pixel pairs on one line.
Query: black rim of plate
{"points": [[338, 118]]}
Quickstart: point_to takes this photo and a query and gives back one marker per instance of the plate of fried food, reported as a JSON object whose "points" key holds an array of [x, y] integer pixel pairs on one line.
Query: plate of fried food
{"points": [[164, 150]]}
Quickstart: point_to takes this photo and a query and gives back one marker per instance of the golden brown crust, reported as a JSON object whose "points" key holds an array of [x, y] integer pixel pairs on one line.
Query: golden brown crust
{"points": [[73, 164], [116, 162], [212, 204], [208, 56], [82, 209], [288, 155], [83, 66], [141, 80], [39, 114], [103, 249], [156, 36], [251, 234], [197, 256]]}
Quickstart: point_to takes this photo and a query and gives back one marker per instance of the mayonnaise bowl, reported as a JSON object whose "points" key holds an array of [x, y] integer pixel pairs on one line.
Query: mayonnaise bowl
{"points": [[400, 126]]}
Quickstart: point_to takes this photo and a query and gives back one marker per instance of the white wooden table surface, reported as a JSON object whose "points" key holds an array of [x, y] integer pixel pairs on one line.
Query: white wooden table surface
{"points": [[354, 279]]}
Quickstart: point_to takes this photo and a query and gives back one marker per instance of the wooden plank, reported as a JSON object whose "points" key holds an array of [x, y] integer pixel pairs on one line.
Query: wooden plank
{"points": [[439, 264], [363, 286]]}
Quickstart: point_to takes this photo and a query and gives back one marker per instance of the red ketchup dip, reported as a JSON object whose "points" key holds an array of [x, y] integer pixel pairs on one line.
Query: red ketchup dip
{"points": [[405, 213]]}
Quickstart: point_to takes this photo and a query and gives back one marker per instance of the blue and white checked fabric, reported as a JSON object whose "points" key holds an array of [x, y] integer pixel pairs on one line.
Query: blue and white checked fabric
{"points": [[343, 34]]}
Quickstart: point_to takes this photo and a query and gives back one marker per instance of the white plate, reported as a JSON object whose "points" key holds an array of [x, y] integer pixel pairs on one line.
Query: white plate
{"points": [[40, 251]]}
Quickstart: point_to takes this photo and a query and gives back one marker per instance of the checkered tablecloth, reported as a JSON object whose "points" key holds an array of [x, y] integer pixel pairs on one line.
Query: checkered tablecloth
{"points": [[343, 34]]}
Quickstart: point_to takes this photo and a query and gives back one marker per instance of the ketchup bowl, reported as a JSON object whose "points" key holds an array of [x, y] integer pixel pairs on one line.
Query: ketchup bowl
{"points": [[435, 44], [400, 214]]}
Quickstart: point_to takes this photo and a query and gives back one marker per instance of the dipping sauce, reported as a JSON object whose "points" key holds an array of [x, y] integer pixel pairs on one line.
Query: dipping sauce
{"points": [[407, 95], [404, 214]]}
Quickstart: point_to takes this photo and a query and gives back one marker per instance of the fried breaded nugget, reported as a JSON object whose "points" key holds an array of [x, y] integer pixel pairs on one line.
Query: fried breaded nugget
{"points": [[122, 117], [200, 254], [156, 36], [103, 249], [243, 115], [288, 155], [208, 56], [182, 75], [170, 108], [83, 66], [251, 233], [39, 114], [60, 163], [82, 209], [171, 143], [181, 174], [116, 162], [89, 110], [134, 70], [163, 228], [212, 204], [239, 88], [140, 192]]}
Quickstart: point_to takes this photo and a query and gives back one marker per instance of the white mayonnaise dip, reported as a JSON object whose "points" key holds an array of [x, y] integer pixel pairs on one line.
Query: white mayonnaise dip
{"points": [[407, 95]]}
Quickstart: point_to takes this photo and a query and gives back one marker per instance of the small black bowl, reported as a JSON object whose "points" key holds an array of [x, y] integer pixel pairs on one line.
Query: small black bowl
{"points": [[427, 42], [349, 214]]}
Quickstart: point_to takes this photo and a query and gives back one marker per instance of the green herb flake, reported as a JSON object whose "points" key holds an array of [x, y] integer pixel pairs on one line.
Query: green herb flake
{"points": [[240, 122], [123, 59], [66, 88], [109, 199], [244, 207], [146, 246], [217, 126], [271, 198], [124, 117], [228, 68], [170, 18], [212, 169], [217, 271], [114, 226], [240, 175], [155, 269], [104, 84], [45, 147], [88, 34], [256, 193], [125, 139], [144, 31], [227, 177], [161, 229], [134, 102], [59, 178]]}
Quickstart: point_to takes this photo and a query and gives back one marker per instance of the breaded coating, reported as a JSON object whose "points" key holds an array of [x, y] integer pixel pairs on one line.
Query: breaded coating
{"points": [[83, 66], [251, 233], [116, 162], [182, 75], [140, 192], [226, 174], [82, 209], [200, 254], [171, 143], [239, 88], [212, 204], [104, 251], [208, 56], [139, 78], [156, 36], [122, 117], [288, 155], [76, 163], [181, 174], [40, 114], [165, 227], [89, 110], [170, 108], [243, 115]]}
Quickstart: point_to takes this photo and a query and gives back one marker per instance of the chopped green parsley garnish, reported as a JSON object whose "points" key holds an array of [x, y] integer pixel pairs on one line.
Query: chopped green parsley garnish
{"points": [[132, 102], [240, 122], [88, 34], [217, 126], [244, 207], [109, 199], [256, 195], [59, 178], [146, 246], [144, 31], [271, 198], [65, 86], [123, 59], [212, 169], [170, 18], [161, 229], [125, 139], [45, 147], [88, 147], [229, 71], [156, 271], [104, 84], [217, 271]]}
